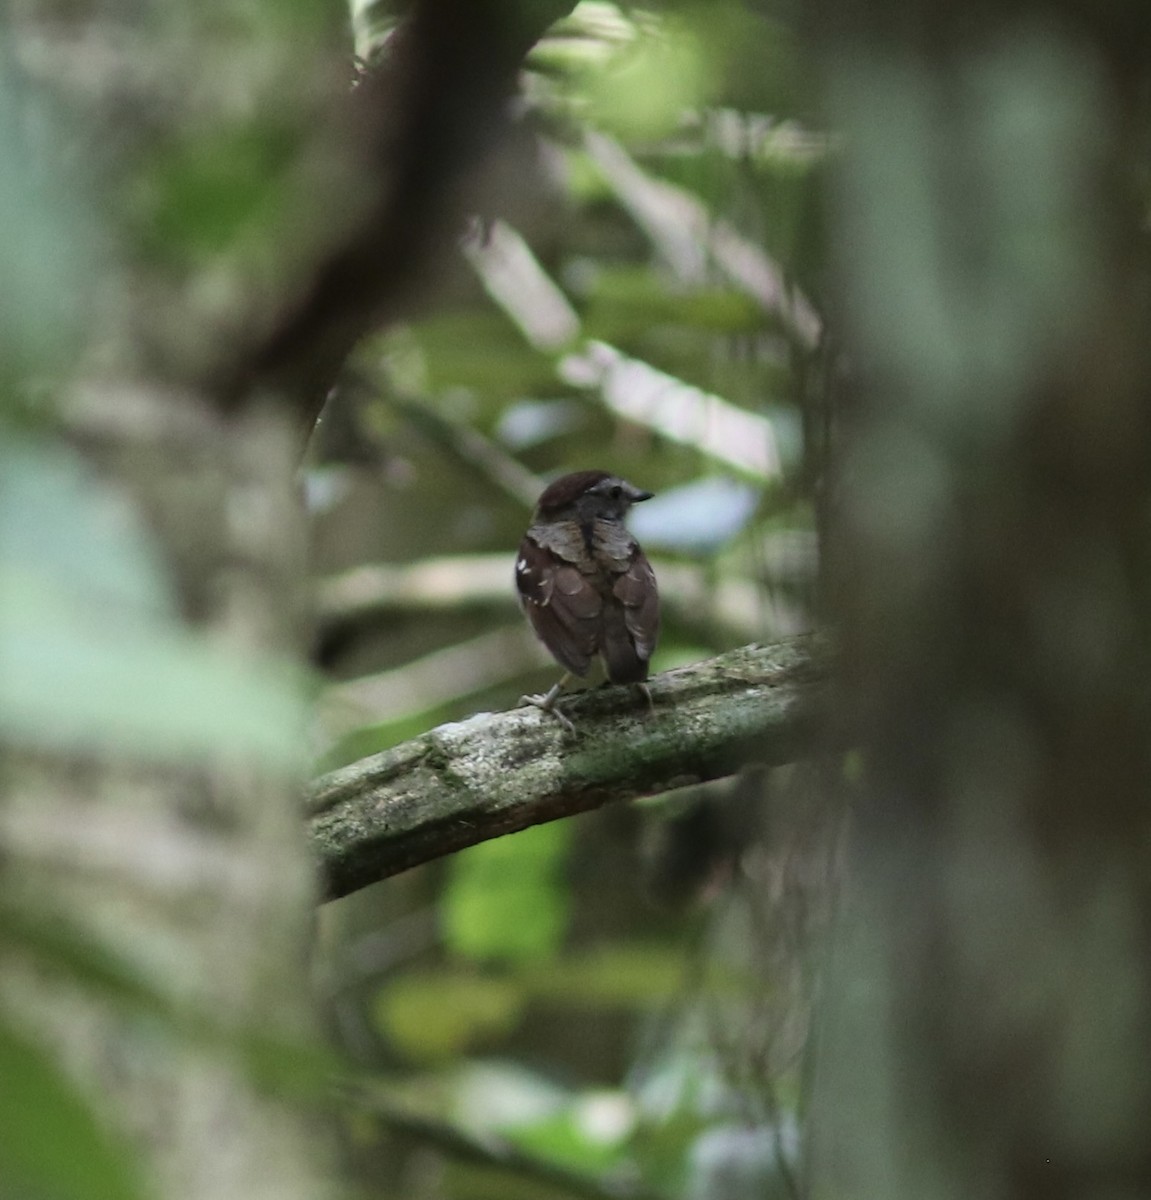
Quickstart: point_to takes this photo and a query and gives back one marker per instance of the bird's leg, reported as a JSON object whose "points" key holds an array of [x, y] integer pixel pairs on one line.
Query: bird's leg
{"points": [[645, 692], [547, 702]]}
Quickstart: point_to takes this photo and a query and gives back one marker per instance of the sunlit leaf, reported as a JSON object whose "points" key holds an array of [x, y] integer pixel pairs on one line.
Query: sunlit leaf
{"points": [[644, 92], [589, 1134]]}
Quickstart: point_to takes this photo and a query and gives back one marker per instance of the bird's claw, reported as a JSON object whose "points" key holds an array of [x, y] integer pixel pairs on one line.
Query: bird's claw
{"points": [[546, 703]]}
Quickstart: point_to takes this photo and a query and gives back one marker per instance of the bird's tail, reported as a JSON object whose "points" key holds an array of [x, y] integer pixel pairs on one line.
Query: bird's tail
{"points": [[623, 663]]}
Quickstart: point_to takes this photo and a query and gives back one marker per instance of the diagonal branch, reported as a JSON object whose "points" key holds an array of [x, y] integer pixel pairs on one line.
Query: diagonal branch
{"points": [[415, 129], [499, 772]]}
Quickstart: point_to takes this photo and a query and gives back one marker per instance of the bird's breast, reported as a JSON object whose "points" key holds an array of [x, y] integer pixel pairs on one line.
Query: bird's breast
{"points": [[611, 546]]}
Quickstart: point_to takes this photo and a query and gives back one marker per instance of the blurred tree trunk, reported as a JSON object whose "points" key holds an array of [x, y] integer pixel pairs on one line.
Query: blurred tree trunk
{"points": [[197, 875], [988, 1026], [194, 868]]}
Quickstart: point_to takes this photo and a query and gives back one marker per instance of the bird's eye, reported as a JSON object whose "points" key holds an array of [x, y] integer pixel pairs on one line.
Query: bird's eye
{"points": [[616, 492]]}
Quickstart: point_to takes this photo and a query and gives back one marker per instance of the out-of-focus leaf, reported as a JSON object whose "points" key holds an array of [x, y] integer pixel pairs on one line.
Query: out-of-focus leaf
{"points": [[57, 521], [590, 1133], [585, 40], [687, 353], [43, 259], [90, 655], [506, 898], [372, 21], [482, 349], [744, 1162], [644, 92], [435, 1014], [662, 1149], [495, 1094], [51, 1145], [761, 65], [281, 1065], [698, 517], [617, 975], [637, 391], [198, 196], [624, 301], [70, 680], [56, 945]]}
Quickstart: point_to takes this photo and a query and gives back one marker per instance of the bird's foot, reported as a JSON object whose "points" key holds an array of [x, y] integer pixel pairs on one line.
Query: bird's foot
{"points": [[547, 703]]}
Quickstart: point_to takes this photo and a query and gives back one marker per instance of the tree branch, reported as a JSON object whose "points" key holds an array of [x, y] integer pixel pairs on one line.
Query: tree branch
{"points": [[415, 128], [496, 773]]}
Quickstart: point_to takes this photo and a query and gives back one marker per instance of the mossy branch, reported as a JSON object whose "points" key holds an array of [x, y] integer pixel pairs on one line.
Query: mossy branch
{"points": [[495, 773]]}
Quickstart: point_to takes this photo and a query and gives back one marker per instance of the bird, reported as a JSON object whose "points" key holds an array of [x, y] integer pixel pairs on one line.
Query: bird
{"points": [[585, 584]]}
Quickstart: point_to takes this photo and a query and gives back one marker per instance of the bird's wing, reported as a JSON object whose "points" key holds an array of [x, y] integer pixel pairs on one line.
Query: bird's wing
{"points": [[636, 590], [563, 607]]}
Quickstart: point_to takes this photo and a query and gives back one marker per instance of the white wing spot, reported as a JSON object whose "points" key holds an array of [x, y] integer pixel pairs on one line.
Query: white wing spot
{"points": [[522, 567]]}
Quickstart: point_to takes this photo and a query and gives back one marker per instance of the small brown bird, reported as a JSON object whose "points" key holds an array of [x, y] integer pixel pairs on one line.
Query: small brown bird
{"points": [[585, 584]]}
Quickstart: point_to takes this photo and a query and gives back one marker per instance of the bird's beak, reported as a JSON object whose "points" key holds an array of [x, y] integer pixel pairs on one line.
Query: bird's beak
{"points": [[636, 495]]}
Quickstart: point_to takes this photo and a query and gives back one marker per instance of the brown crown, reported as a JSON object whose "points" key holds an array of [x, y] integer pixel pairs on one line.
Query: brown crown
{"points": [[568, 488]]}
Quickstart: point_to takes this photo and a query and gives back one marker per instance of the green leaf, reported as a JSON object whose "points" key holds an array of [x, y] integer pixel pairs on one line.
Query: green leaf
{"points": [[506, 898], [624, 302], [576, 1137], [51, 1144], [437, 1014], [481, 348], [197, 197], [646, 90]]}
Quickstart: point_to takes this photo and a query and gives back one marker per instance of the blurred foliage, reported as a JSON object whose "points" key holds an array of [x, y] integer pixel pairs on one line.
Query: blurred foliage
{"points": [[508, 900], [51, 1143], [87, 619]]}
